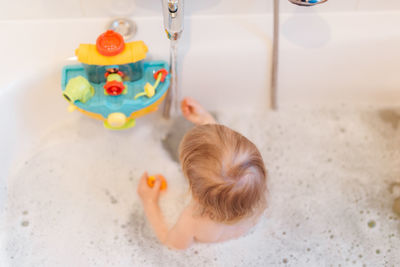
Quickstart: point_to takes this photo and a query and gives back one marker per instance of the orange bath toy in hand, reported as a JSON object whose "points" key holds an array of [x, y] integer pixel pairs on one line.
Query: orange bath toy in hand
{"points": [[152, 179]]}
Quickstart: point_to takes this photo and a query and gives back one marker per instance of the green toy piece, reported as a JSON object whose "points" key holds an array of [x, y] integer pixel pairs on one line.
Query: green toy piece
{"points": [[114, 77], [78, 88]]}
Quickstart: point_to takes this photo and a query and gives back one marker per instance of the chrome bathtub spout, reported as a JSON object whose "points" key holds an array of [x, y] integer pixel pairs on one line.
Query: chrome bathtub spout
{"points": [[173, 25], [173, 18]]}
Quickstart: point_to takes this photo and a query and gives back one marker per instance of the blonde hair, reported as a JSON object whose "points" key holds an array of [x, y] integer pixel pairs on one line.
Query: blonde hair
{"points": [[226, 172]]}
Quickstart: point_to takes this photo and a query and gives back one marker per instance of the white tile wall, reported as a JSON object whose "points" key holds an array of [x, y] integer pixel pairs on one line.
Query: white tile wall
{"points": [[43, 9], [376, 5], [39, 9], [107, 8]]}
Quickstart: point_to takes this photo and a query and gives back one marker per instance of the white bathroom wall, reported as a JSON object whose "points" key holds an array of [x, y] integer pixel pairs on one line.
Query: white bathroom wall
{"points": [[339, 58], [373, 5], [54, 9]]}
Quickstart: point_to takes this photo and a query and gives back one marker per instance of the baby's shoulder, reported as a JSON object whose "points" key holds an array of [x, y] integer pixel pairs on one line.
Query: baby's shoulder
{"points": [[192, 215]]}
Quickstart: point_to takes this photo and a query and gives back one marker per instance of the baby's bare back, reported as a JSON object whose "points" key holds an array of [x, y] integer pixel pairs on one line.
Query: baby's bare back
{"points": [[209, 231]]}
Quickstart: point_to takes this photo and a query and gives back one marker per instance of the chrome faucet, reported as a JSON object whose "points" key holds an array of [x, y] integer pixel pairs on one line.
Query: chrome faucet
{"points": [[307, 2], [173, 18], [173, 25]]}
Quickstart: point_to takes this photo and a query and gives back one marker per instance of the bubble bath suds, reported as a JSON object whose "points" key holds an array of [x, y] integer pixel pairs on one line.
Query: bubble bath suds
{"points": [[329, 178]]}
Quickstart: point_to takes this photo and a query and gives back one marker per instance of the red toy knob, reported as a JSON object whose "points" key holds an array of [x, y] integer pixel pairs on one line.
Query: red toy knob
{"points": [[110, 43], [114, 88], [164, 73]]}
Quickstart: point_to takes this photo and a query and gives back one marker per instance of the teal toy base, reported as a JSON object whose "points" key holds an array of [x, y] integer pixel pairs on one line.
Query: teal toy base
{"points": [[104, 104]]}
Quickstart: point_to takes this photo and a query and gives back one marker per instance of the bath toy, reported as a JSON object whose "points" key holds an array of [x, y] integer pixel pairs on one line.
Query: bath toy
{"points": [[111, 76], [114, 84], [149, 90], [78, 88], [151, 180]]}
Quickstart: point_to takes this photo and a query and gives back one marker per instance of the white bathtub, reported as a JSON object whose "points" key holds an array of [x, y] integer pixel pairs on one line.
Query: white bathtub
{"points": [[326, 59]]}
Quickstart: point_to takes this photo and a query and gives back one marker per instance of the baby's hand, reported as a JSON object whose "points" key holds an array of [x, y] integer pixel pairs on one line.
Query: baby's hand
{"points": [[146, 193], [195, 112]]}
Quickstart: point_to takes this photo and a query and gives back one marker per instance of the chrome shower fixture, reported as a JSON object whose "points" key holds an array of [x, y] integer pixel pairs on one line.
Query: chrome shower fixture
{"points": [[307, 2]]}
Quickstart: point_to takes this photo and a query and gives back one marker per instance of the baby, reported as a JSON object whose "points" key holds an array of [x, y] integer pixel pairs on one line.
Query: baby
{"points": [[227, 179]]}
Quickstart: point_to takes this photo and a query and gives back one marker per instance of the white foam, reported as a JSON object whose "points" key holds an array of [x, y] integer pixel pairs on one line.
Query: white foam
{"points": [[329, 175]]}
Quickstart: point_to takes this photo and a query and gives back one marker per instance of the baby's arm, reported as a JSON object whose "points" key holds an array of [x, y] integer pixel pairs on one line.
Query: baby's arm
{"points": [[180, 236]]}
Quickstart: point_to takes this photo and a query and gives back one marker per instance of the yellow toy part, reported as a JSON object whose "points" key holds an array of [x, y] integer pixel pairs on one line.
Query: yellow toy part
{"points": [[129, 124], [150, 90], [133, 52], [71, 108], [116, 119]]}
